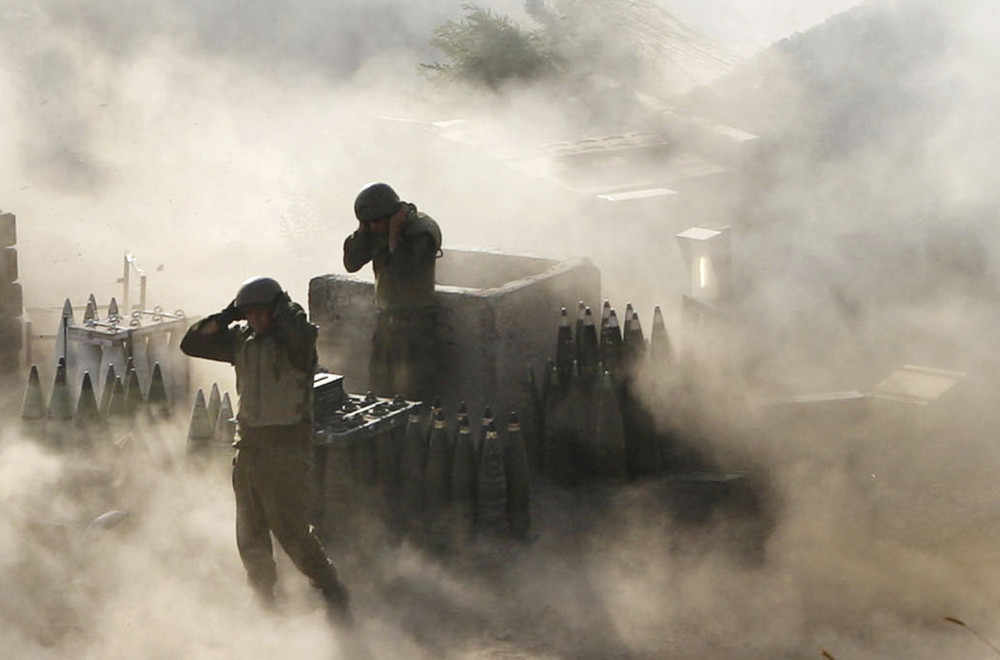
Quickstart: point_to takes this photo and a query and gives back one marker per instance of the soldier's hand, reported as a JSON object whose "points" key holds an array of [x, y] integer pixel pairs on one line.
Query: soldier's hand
{"points": [[228, 315], [220, 320], [285, 312], [281, 303]]}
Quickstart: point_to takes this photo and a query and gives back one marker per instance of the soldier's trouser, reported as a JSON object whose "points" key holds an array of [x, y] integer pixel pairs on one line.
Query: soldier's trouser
{"points": [[272, 480], [405, 354]]}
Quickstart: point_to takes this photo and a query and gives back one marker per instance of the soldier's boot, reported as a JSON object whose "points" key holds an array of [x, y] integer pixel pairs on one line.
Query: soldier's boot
{"points": [[337, 598]]}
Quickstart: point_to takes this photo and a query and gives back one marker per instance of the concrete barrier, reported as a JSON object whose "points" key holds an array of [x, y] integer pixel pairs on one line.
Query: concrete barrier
{"points": [[497, 314]]}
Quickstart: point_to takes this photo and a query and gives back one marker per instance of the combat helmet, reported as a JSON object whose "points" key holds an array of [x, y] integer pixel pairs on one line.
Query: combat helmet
{"points": [[258, 291], [376, 200]]}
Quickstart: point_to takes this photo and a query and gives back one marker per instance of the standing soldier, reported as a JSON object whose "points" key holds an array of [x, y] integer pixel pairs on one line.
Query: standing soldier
{"points": [[402, 243], [275, 357]]}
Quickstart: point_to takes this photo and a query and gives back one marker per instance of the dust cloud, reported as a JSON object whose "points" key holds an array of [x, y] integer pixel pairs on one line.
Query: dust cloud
{"points": [[218, 142]]}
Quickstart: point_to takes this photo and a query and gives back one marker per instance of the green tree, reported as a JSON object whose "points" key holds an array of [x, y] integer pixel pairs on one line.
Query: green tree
{"points": [[489, 49]]}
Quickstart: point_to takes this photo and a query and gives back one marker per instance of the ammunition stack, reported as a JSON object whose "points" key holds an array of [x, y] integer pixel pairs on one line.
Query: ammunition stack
{"points": [[584, 423], [438, 483], [212, 428], [146, 337], [64, 420], [444, 479], [108, 370]]}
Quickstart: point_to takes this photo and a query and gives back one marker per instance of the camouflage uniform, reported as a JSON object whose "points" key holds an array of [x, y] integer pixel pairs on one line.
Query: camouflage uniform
{"points": [[272, 471], [404, 356]]}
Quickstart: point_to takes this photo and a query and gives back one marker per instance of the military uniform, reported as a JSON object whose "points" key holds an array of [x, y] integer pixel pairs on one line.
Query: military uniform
{"points": [[272, 476], [405, 348]]}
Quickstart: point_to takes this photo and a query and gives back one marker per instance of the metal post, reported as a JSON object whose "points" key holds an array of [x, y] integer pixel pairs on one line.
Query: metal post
{"points": [[142, 292], [125, 285], [28, 335]]}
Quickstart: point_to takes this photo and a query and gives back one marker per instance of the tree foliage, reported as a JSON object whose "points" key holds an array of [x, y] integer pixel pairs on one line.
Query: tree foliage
{"points": [[490, 49]]}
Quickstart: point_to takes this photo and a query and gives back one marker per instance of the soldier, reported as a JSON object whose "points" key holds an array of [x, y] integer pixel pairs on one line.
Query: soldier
{"points": [[275, 356], [402, 243]]}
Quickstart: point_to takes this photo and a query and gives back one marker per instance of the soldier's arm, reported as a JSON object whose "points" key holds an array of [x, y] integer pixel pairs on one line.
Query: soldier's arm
{"points": [[423, 251], [211, 339], [297, 335], [419, 241], [423, 236], [359, 248]]}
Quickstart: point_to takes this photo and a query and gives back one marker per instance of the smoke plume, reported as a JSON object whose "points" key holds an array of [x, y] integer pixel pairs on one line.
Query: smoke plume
{"points": [[222, 140]]}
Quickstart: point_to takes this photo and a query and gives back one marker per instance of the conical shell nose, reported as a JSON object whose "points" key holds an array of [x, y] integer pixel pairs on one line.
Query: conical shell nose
{"points": [[33, 405]]}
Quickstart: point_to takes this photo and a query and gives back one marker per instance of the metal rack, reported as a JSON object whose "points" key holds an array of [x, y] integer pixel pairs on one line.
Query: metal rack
{"points": [[343, 419]]}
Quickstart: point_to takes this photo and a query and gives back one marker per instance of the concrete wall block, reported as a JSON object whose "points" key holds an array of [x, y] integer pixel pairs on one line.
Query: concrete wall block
{"points": [[528, 316], [10, 362], [343, 307], [8, 229], [8, 264], [11, 300], [470, 268], [11, 335], [467, 332]]}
